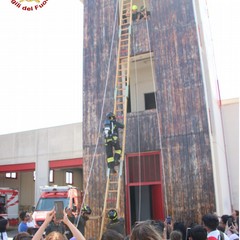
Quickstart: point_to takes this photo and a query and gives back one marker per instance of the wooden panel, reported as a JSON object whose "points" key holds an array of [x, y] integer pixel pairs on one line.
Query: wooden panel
{"points": [[147, 139], [183, 119], [140, 38]]}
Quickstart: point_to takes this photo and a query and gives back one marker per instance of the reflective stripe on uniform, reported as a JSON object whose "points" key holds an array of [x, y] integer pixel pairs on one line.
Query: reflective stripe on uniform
{"points": [[118, 151], [110, 159]]}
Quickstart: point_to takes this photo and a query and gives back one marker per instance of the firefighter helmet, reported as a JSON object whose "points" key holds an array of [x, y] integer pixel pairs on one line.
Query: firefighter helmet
{"points": [[134, 7], [110, 115], [86, 209], [112, 214]]}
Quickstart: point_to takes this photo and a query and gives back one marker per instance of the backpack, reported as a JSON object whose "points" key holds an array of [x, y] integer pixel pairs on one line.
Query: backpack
{"points": [[221, 235], [107, 130]]}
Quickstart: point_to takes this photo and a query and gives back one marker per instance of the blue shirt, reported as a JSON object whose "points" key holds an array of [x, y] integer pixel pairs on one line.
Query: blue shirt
{"points": [[22, 227]]}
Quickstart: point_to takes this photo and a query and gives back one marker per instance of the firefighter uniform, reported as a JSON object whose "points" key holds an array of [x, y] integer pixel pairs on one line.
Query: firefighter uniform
{"points": [[113, 149]]}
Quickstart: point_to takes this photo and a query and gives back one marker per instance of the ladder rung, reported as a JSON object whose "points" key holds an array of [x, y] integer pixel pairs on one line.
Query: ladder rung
{"points": [[124, 45], [107, 209], [124, 28], [111, 200], [112, 191], [124, 34]]}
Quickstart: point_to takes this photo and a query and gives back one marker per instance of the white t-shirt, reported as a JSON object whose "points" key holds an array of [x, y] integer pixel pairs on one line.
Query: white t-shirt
{"points": [[215, 235], [3, 235], [31, 224], [233, 236]]}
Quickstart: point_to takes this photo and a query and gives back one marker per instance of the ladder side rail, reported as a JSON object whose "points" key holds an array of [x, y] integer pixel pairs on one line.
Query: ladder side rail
{"points": [[120, 43], [105, 204], [125, 111], [120, 68]]}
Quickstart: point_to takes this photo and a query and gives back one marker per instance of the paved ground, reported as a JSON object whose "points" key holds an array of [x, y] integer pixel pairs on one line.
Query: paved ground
{"points": [[11, 232]]}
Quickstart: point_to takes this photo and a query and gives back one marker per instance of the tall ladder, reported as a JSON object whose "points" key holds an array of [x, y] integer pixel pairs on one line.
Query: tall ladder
{"points": [[113, 185]]}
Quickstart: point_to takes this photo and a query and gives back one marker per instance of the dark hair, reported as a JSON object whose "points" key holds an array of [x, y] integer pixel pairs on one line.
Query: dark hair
{"points": [[220, 228], [198, 232], [22, 215], [2, 209], [237, 212], [110, 234], [211, 221], [225, 218], [159, 225], [179, 226]]}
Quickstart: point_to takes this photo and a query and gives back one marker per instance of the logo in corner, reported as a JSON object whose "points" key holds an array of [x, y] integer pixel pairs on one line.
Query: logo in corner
{"points": [[37, 1], [29, 5]]}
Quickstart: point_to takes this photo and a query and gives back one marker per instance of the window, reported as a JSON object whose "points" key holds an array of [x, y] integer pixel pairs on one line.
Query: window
{"points": [[12, 175], [69, 178], [150, 102], [51, 176]]}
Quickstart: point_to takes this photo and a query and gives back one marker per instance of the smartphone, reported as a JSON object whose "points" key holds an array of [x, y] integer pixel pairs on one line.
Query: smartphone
{"points": [[188, 233], [58, 206], [168, 219], [230, 222]]}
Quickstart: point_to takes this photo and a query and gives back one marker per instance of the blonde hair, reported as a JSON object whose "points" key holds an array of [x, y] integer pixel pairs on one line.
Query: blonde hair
{"points": [[145, 231], [55, 236]]}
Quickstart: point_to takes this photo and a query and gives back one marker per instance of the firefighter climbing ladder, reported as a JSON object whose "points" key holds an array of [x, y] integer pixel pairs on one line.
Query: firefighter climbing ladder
{"points": [[113, 185]]}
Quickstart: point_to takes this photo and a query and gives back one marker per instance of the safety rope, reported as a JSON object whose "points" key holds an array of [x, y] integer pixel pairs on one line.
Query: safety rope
{"points": [[138, 132], [100, 120], [159, 130]]}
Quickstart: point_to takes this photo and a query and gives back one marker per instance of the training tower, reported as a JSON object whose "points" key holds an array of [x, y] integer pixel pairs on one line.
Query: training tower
{"points": [[170, 164]]}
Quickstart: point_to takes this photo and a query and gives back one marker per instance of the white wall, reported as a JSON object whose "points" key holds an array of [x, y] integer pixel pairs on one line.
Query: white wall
{"points": [[141, 82], [230, 117], [219, 156], [39, 146]]}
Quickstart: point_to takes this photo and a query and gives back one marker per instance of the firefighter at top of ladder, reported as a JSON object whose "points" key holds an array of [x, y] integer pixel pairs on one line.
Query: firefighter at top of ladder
{"points": [[110, 131]]}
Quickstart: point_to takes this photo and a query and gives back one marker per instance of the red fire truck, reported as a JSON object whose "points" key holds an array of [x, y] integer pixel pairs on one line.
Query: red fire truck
{"points": [[71, 197], [9, 201]]}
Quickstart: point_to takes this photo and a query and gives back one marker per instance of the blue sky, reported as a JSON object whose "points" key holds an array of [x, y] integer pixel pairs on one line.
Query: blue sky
{"points": [[41, 61]]}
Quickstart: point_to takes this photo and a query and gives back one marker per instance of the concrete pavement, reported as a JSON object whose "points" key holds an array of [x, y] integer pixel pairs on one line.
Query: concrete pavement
{"points": [[11, 232]]}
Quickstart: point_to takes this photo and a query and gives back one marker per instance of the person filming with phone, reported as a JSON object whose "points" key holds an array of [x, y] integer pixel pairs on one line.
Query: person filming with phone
{"points": [[55, 225], [231, 229], [54, 235]]}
